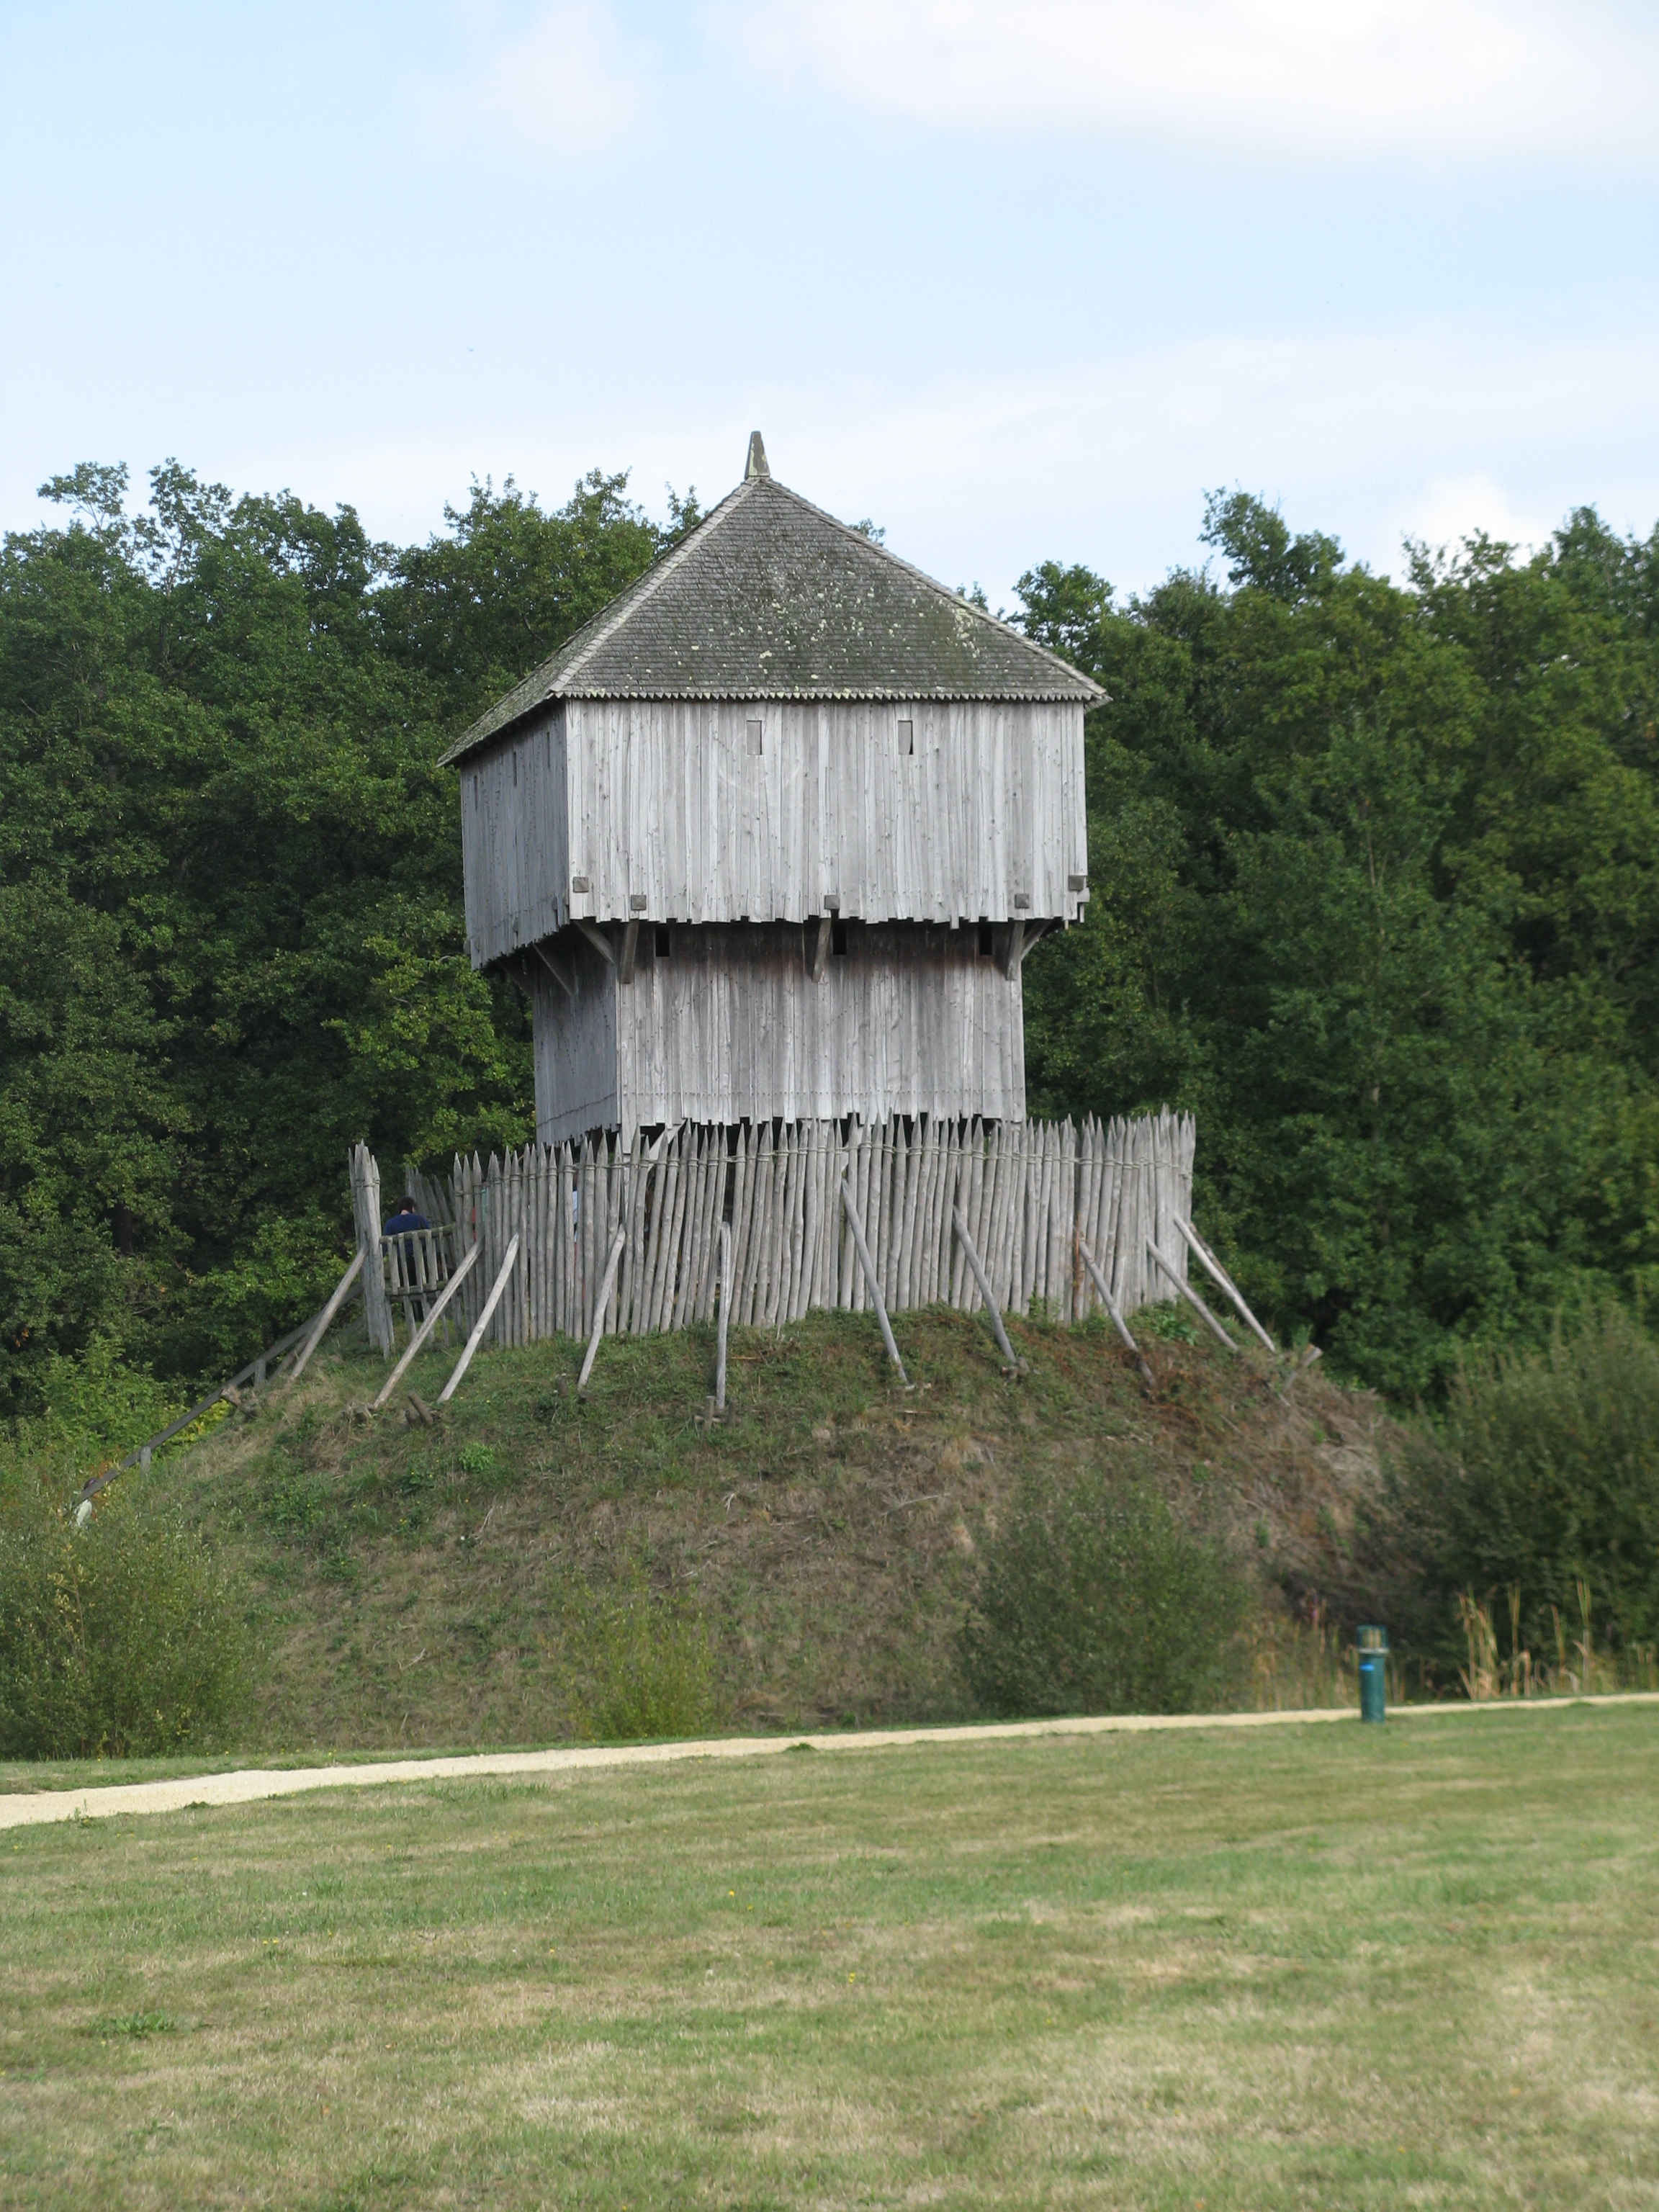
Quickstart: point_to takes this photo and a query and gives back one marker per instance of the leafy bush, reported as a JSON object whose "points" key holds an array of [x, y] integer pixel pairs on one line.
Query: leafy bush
{"points": [[651, 1671], [120, 1637], [1545, 1472], [1092, 1597]]}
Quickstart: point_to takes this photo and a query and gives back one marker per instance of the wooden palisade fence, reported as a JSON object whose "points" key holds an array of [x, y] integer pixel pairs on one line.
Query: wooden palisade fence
{"points": [[1029, 1192]]}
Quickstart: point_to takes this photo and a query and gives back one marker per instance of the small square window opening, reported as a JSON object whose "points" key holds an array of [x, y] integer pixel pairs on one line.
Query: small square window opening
{"points": [[985, 940], [838, 936], [754, 734], [660, 934], [906, 739]]}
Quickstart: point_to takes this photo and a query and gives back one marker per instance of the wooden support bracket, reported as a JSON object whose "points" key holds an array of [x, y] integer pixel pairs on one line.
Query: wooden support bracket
{"points": [[817, 935], [629, 948], [1011, 959], [597, 937], [566, 983]]}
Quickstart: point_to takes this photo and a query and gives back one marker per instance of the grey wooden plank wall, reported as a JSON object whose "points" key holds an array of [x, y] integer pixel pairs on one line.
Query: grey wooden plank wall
{"points": [[664, 802], [1028, 1190], [575, 1037], [730, 1027]]}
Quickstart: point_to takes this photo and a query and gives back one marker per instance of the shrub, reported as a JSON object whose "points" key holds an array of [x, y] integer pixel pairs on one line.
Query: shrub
{"points": [[1545, 1472], [1092, 1597], [651, 1671], [123, 1636]]}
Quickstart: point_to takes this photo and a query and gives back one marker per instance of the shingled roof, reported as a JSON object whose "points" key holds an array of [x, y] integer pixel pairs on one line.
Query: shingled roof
{"points": [[770, 597]]}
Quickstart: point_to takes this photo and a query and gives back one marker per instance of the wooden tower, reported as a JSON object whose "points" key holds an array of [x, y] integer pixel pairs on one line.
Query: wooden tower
{"points": [[770, 837]]}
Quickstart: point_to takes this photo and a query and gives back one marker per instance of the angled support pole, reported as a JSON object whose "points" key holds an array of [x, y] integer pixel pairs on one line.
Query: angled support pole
{"points": [[481, 1323], [1222, 1281], [873, 1281], [1191, 1296], [566, 983], [630, 950], [979, 1276], [435, 1314], [1016, 950], [1118, 1321], [597, 937], [319, 1327], [817, 947], [600, 1304]]}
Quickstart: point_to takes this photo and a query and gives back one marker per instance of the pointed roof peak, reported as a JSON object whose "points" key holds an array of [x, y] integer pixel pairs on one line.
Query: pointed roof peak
{"points": [[770, 597]]}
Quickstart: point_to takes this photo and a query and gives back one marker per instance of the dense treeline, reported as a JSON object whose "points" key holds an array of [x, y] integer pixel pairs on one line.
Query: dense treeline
{"points": [[1374, 896], [1377, 896]]}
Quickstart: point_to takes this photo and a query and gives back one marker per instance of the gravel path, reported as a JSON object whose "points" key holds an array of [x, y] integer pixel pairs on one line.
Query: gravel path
{"points": [[243, 1786]]}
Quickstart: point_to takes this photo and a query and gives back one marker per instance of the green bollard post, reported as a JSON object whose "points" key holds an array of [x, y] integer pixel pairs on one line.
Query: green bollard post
{"points": [[1373, 1673]]}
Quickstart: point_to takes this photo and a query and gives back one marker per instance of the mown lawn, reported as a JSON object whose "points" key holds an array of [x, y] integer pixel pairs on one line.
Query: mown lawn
{"points": [[1304, 1966]]}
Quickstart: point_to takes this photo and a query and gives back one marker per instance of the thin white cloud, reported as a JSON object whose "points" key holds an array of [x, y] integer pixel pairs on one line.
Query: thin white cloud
{"points": [[1272, 81], [1431, 430], [570, 86]]}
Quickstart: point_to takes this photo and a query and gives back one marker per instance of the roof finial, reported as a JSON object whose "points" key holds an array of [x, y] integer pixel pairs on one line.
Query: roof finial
{"points": [[756, 462]]}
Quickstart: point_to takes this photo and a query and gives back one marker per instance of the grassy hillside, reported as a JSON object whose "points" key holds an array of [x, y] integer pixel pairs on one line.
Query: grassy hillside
{"points": [[806, 1563]]}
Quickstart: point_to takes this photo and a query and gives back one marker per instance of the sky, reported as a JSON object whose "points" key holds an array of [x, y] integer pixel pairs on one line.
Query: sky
{"points": [[1016, 281]]}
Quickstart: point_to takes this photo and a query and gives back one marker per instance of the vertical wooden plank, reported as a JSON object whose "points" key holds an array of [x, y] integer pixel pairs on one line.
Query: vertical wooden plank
{"points": [[810, 1157], [724, 1193], [742, 1207], [751, 1295], [870, 1180], [887, 1257], [677, 1289], [966, 1197], [591, 1231], [780, 1253], [666, 1291], [914, 1198], [846, 1289], [938, 1145], [1082, 1290], [654, 1205], [717, 1172], [829, 1277], [521, 1269], [916, 1233]]}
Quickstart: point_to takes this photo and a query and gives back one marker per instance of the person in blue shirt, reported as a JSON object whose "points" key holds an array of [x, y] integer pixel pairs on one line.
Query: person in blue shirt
{"points": [[403, 1223]]}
